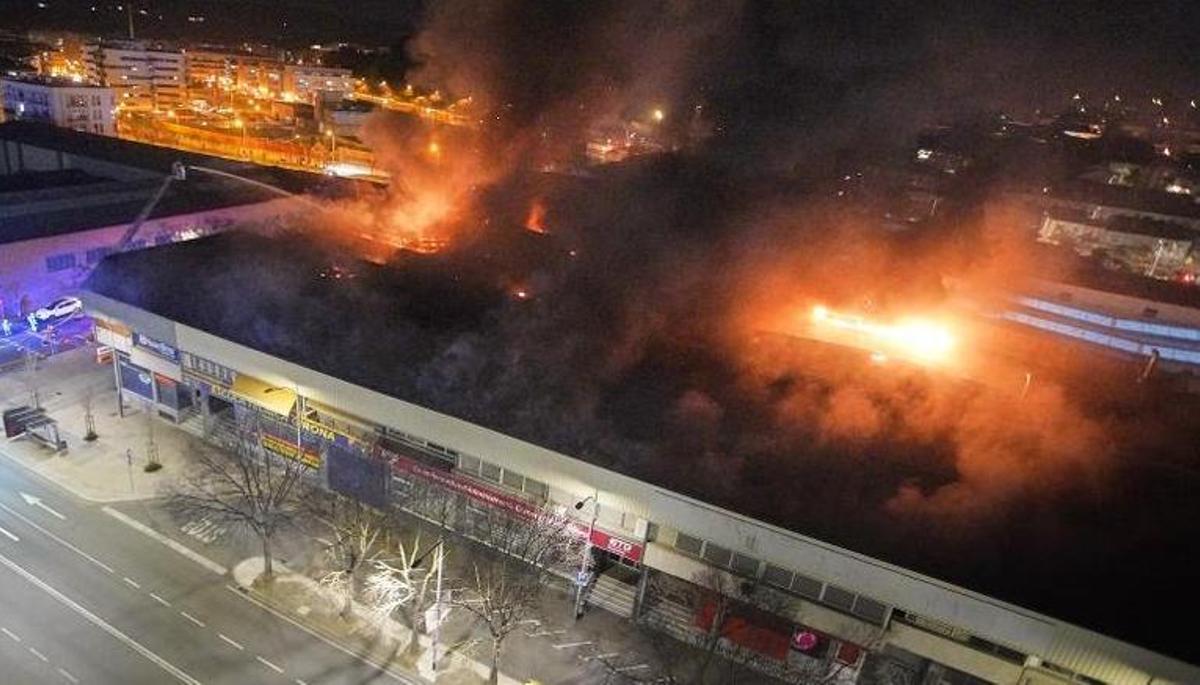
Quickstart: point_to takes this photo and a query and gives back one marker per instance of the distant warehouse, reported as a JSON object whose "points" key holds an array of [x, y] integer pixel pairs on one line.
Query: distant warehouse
{"points": [[67, 199]]}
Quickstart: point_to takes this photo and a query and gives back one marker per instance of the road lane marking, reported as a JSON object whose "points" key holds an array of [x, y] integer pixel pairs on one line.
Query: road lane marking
{"points": [[9, 535], [99, 622], [67, 674], [268, 664], [52, 536], [169, 542], [191, 618], [134, 583], [300, 682], [278, 614], [596, 657], [35, 501], [230, 642], [14, 636], [571, 645], [38, 655], [632, 668], [543, 633], [160, 600]]}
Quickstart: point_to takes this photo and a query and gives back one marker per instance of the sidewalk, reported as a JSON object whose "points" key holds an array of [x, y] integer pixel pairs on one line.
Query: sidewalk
{"points": [[98, 471], [319, 609], [552, 647]]}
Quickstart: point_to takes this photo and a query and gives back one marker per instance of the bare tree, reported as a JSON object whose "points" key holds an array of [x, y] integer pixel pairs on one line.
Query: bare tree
{"points": [[244, 485], [89, 416], [401, 585], [353, 536], [713, 588], [505, 581]]}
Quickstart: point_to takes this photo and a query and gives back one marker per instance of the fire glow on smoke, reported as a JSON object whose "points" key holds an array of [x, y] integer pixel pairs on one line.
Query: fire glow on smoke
{"points": [[920, 339]]}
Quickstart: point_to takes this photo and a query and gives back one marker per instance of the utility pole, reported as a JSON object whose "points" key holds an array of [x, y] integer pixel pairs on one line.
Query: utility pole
{"points": [[129, 464], [585, 561], [129, 12], [435, 634]]}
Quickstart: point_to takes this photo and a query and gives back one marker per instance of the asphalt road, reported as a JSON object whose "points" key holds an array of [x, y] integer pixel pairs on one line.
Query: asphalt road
{"points": [[87, 599], [67, 334]]}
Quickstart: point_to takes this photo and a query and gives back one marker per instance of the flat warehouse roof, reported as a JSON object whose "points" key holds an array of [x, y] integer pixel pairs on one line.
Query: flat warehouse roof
{"points": [[482, 343]]}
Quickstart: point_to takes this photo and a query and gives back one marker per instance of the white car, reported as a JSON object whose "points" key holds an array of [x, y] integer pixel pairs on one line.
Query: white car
{"points": [[61, 308]]}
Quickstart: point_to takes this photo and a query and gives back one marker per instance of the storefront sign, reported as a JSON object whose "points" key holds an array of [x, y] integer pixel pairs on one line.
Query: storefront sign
{"points": [[469, 488], [287, 449], [137, 380], [113, 335], [623, 548], [158, 347]]}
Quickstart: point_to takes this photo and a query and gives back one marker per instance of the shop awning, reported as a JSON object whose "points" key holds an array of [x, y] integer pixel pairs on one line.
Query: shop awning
{"points": [[273, 398]]}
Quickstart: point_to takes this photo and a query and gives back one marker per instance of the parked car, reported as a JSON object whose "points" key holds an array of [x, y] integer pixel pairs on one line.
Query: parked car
{"points": [[62, 308]]}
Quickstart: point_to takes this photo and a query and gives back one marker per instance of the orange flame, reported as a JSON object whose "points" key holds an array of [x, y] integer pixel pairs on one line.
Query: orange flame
{"points": [[536, 221]]}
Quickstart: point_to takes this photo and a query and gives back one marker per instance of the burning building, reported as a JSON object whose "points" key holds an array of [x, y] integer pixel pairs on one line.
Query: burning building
{"points": [[598, 359]]}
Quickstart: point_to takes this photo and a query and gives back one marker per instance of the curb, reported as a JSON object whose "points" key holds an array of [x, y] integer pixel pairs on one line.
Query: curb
{"points": [[257, 598], [169, 542]]}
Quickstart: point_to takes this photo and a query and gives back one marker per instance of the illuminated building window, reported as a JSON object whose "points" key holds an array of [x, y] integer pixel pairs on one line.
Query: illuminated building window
{"points": [[779, 577], [60, 262], [807, 587], [513, 480], [717, 555], [745, 566], [537, 488], [688, 544], [468, 464], [838, 598], [489, 471]]}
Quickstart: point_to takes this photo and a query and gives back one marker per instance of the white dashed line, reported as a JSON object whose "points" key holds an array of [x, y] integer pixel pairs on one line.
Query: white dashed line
{"points": [[9, 535], [596, 657], [34, 524], [132, 582], [67, 674], [191, 618], [571, 645], [14, 636], [531, 621], [231, 643], [300, 682], [632, 668], [268, 664], [97, 621], [160, 600], [542, 633], [38, 654]]}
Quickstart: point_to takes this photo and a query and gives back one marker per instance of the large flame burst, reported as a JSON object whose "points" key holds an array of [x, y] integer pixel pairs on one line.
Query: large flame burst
{"points": [[921, 339]]}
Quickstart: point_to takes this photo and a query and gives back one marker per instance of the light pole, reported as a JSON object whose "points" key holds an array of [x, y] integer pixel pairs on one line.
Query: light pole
{"points": [[238, 123], [436, 633], [586, 558], [332, 144]]}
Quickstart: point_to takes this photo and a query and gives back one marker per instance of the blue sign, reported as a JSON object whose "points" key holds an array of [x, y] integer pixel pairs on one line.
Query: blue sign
{"points": [[357, 476], [137, 380], [158, 347]]}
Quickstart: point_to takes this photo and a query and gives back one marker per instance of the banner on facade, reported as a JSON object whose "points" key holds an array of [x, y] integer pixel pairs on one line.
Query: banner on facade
{"points": [[357, 476], [515, 505]]}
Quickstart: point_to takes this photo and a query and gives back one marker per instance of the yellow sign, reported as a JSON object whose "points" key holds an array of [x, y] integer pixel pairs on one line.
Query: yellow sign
{"points": [[287, 449]]}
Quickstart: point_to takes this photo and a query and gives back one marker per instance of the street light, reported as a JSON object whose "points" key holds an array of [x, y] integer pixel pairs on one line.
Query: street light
{"points": [[238, 123], [436, 633], [586, 558]]}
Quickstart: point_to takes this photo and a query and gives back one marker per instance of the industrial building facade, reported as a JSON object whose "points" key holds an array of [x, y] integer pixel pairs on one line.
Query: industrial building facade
{"points": [[845, 606]]}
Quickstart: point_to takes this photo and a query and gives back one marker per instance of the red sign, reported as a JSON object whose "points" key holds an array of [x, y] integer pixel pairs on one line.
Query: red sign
{"points": [[630, 550], [515, 505]]}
